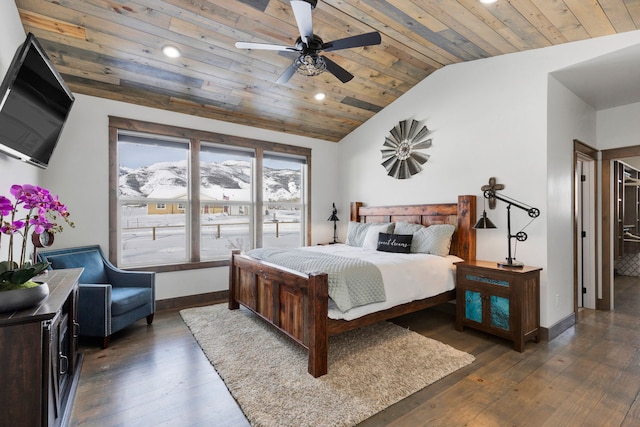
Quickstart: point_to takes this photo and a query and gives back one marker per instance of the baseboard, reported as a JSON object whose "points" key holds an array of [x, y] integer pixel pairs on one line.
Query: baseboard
{"points": [[547, 334], [192, 301]]}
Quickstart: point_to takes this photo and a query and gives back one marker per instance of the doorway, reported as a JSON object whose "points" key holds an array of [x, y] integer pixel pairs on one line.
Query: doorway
{"points": [[608, 233]]}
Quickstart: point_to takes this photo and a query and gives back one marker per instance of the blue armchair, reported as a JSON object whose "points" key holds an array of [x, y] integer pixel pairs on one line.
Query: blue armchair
{"points": [[109, 299]]}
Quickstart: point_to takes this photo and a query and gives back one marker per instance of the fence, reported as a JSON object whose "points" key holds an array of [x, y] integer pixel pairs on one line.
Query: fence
{"points": [[218, 227]]}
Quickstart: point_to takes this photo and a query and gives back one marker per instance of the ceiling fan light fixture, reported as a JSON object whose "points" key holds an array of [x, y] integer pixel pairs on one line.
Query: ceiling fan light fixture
{"points": [[310, 65], [171, 51]]}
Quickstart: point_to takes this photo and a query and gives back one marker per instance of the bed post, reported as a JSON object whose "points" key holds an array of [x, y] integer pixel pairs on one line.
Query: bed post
{"points": [[318, 320], [355, 211], [466, 232], [233, 303]]}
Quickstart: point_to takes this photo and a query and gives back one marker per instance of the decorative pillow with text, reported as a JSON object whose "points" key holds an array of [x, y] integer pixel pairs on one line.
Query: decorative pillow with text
{"points": [[398, 243]]}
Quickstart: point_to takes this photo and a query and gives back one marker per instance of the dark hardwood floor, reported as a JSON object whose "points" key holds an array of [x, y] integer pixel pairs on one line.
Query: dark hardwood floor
{"points": [[588, 376]]}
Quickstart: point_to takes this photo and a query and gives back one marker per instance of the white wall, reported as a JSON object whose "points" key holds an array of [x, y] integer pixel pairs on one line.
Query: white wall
{"points": [[619, 127], [78, 172], [569, 118], [489, 118], [11, 171]]}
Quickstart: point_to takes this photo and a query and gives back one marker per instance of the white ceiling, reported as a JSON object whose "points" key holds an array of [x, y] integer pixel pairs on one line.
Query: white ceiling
{"points": [[608, 81]]}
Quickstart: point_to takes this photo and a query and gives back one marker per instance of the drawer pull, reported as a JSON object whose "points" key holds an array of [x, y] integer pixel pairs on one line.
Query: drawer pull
{"points": [[63, 365]]}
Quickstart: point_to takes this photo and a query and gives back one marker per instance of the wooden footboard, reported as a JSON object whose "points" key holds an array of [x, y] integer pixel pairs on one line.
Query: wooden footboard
{"points": [[297, 304]]}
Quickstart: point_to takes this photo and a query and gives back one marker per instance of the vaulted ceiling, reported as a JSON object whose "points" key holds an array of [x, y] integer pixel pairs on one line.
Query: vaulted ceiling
{"points": [[112, 49]]}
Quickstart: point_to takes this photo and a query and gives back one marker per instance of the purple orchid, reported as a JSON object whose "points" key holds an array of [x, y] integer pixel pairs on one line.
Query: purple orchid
{"points": [[6, 207], [41, 211]]}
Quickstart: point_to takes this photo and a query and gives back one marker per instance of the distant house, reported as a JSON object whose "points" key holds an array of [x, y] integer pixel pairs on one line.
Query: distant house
{"points": [[210, 202]]}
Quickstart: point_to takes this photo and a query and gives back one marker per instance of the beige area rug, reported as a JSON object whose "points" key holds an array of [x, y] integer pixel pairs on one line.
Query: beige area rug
{"points": [[369, 368]]}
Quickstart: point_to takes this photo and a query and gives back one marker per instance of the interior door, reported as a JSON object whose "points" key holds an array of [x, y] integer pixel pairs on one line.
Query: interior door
{"points": [[585, 231]]}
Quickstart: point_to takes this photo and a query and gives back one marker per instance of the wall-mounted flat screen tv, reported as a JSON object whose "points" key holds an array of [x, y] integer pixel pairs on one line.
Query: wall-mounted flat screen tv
{"points": [[34, 105]]}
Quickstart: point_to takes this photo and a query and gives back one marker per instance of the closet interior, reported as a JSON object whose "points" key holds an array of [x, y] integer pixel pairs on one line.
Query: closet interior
{"points": [[627, 206]]}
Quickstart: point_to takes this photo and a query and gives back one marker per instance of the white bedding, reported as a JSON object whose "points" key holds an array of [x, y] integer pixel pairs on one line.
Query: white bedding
{"points": [[407, 277]]}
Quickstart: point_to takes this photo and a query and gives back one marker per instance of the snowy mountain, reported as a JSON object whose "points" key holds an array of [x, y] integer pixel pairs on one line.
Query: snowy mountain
{"points": [[229, 179]]}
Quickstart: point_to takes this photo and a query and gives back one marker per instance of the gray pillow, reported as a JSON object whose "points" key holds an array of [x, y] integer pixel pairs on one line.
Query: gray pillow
{"points": [[356, 231], [407, 228], [434, 239]]}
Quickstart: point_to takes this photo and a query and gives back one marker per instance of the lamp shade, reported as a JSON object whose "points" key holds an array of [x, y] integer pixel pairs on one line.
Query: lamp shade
{"points": [[333, 217], [484, 222], [334, 214]]}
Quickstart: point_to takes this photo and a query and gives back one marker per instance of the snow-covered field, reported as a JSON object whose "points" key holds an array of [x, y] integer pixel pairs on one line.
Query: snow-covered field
{"points": [[157, 239]]}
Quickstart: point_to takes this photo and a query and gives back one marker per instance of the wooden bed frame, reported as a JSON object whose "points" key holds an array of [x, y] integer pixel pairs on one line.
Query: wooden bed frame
{"points": [[297, 304]]}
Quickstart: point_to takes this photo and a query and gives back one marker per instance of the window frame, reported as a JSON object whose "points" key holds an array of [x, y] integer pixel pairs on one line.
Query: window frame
{"points": [[195, 137]]}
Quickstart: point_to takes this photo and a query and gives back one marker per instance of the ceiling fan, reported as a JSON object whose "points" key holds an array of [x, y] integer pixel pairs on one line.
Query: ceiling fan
{"points": [[309, 45]]}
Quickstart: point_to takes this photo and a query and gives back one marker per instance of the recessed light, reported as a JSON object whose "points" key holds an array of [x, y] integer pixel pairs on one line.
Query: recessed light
{"points": [[488, 1], [319, 96], [171, 51]]}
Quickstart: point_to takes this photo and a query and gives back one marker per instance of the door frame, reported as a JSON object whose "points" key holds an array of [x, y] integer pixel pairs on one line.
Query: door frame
{"points": [[582, 151]]}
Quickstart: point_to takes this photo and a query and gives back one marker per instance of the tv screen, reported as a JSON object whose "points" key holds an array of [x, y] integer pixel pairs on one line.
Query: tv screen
{"points": [[34, 106]]}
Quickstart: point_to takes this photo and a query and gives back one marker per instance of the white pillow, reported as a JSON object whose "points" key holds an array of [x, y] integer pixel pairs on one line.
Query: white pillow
{"points": [[370, 242]]}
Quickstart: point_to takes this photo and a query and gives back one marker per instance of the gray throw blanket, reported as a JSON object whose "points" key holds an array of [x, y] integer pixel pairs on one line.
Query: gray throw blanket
{"points": [[352, 282]]}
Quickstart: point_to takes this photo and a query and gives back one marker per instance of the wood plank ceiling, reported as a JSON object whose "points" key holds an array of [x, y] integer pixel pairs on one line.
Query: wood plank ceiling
{"points": [[111, 49]]}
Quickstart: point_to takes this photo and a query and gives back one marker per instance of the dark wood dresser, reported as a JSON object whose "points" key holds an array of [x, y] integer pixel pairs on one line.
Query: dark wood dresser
{"points": [[40, 362]]}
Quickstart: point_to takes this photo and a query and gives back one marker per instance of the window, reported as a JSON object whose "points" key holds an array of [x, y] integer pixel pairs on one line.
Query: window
{"points": [[226, 199], [283, 188], [185, 199]]}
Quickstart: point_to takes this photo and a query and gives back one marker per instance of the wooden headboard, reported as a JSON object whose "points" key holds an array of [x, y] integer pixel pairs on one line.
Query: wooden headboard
{"points": [[462, 215]]}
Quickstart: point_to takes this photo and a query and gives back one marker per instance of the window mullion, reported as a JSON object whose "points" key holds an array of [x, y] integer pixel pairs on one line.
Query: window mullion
{"points": [[194, 233], [259, 198]]}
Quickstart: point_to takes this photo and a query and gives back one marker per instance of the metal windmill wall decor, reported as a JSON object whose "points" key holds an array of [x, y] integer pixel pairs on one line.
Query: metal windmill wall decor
{"points": [[398, 153]]}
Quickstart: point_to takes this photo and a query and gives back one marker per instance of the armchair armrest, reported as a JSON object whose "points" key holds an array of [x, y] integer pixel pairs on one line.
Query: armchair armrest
{"points": [[94, 309]]}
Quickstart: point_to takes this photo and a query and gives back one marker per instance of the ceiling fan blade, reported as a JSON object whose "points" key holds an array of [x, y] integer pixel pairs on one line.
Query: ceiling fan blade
{"points": [[361, 40], [302, 12], [343, 75], [287, 74], [264, 46]]}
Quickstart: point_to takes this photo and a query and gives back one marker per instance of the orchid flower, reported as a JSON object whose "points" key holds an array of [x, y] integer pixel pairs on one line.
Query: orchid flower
{"points": [[42, 209]]}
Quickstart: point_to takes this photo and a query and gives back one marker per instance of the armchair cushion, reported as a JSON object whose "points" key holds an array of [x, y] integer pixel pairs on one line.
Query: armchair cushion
{"points": [[124, 300]]}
